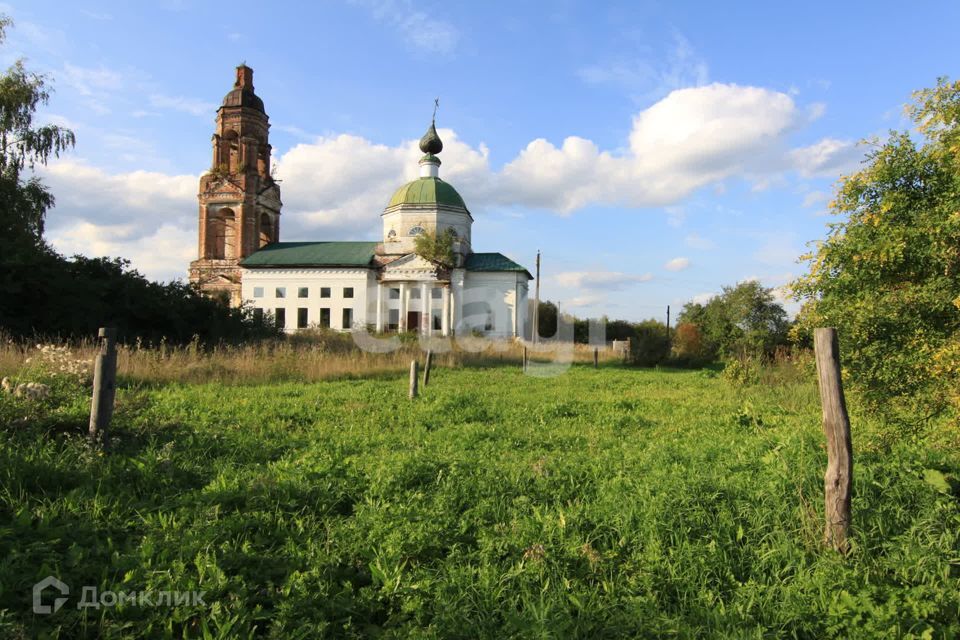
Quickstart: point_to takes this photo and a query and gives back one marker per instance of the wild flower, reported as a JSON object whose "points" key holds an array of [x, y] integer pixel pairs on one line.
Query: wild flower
{"points": [[59, 361]]}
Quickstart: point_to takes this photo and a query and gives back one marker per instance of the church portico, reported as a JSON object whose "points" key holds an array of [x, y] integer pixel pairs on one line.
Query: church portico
{"points": [[413, 305]]}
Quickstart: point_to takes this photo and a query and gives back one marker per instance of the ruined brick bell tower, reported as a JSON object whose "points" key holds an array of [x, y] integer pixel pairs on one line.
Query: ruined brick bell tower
{"points": [[239, 201]]}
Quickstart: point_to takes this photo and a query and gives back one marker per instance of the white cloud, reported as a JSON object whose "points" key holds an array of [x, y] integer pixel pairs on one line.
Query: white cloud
{"points": [[149, 218], [418, 29], [827, 158], [607, 280], [186, 105], [703, 298], [162, 254], [677, 264]]}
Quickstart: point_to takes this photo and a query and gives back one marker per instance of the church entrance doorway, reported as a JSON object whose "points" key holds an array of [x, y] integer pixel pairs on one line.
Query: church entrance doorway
{"points": [[413, 321]]}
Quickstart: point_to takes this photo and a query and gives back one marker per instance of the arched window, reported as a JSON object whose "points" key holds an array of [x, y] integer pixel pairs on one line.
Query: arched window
{"points": [[391, 235], [415, 231], [221, 235], [266, 230]]}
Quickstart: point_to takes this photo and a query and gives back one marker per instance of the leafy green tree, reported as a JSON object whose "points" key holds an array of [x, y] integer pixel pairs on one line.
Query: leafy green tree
{"points": [[742, 320], [650, 344], [888, 273], [547, 319], [24, 202], [436, 247]]}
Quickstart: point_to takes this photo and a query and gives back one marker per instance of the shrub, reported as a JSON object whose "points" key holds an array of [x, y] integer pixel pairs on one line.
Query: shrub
{"points": [[650, 345]]}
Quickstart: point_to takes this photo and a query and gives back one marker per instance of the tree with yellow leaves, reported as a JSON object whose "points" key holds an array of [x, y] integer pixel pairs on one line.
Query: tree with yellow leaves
{"points": [[888, 273]]}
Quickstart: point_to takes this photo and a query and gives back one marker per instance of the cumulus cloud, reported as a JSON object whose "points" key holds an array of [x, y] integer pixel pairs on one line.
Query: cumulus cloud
{"points": [[162, 254], [677, 264], [691, 138], [147, 217]]}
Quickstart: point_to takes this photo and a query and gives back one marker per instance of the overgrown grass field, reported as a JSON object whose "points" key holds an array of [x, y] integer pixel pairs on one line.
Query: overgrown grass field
{"points": [[597, 504]]}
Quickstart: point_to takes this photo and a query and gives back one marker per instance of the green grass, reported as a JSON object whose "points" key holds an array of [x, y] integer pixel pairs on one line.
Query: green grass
{"points": [[598, 504]]}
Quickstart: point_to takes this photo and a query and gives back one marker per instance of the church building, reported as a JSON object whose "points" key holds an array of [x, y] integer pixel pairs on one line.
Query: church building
{"points": [[382, 285]]}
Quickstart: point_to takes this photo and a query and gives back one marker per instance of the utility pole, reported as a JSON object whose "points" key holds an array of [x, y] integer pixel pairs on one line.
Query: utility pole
{"points": [[668, 322], [536, 304]]}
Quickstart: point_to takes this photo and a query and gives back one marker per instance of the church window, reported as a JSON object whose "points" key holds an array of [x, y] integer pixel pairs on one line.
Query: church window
{"points": [[324, 292], [394, 293], [303, 292], [393, 320], [281, 292], [414, 294], [391, 235], [436, 293], [301, 318], [258, 292], [325, 318], [348, 292], [415, 231], [347, 318], [281, 316]]}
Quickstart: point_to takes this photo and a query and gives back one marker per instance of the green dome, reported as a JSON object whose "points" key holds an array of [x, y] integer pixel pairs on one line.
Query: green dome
{"points": [[427, 191]]}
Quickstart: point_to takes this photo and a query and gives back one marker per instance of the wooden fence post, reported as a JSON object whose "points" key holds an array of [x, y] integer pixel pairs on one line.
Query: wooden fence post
{"points": [[523, 360], [836, 427], [104, 386], [426, 367], [413, 379], [595, 357]]}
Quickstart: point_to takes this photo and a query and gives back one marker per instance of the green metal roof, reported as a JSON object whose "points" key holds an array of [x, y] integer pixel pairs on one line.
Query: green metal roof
{"points": [[426, 191], [493, 262], [313, 254]]}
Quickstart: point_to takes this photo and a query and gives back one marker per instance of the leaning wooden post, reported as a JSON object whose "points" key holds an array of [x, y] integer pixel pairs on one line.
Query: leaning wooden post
{"points": [[426, 367], [836, 427], [413, 379], [104, 385], [595, 357]]}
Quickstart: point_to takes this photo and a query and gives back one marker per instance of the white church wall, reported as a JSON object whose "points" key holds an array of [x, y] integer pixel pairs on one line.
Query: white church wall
{"points": [[260, 289]]}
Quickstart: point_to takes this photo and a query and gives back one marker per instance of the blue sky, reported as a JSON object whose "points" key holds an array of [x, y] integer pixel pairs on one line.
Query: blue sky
{"points": [[653, 151]]}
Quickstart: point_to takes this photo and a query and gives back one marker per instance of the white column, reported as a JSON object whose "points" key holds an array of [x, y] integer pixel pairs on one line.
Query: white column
{"points": [[516, 308], [403, 306], [445, 318], [425, 295], [379, 307], [457, 305]]}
